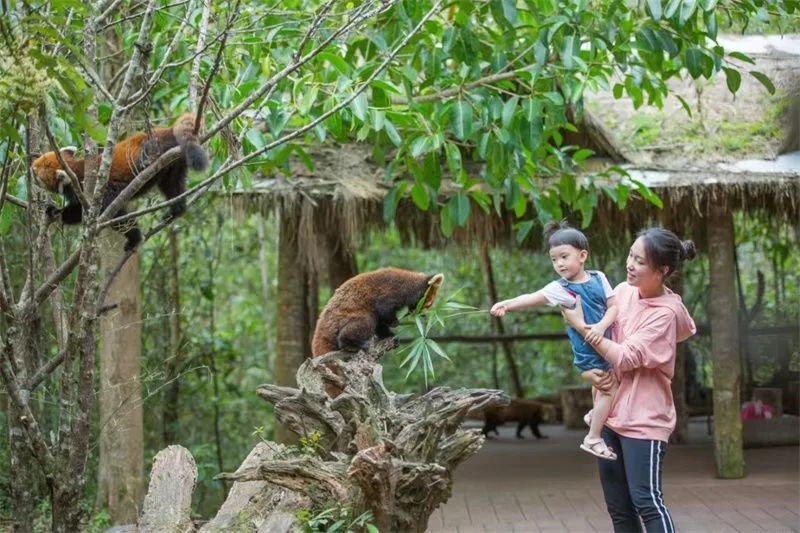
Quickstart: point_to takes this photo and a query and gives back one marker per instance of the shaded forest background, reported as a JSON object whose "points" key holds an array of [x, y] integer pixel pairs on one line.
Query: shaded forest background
{"points": [[228, 328]]}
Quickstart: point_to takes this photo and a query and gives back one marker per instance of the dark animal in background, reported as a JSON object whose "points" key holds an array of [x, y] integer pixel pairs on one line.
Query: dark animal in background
{"points": [[525, 412], [366, 305], [130, 157]]}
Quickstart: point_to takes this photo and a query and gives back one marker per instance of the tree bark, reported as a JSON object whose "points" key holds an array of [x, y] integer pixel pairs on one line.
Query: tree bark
{"points": [[497, 323], [121, 470], [169, 419], [294, 335], [168, 504], [341, 264], [723, 312]]}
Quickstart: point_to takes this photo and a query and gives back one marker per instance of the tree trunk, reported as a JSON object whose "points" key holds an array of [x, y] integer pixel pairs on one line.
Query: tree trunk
{"points": [[681, 433], [497, 323], [121, 468], [723, 306], [294, 334], [265, 281], [341, 264], [26, 481], [169, 419]]}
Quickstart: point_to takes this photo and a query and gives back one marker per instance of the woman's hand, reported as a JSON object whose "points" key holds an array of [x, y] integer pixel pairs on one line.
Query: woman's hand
{"points": [[574, 316], [595, 334], [600, 380]]}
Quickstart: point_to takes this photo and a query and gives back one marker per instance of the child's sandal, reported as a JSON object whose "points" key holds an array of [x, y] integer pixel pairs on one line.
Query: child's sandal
{"points": [[598, 448]]}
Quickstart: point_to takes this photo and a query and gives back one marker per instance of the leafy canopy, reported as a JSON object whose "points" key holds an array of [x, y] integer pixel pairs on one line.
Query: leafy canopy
{"points": [[492, 81]]}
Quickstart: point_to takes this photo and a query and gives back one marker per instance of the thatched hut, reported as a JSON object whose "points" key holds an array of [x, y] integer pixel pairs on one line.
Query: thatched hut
{"points": [[324, 210]]}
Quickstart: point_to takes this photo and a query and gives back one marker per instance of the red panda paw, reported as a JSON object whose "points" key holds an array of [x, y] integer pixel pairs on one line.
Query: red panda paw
{"points": [[51, 211]]}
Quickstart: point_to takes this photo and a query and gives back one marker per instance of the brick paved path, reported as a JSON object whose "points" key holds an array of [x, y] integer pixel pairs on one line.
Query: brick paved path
{"points": [[551, 485]]}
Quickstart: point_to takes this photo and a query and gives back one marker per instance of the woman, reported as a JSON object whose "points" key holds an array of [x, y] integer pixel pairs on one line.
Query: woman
{"points": [[651, 321]]}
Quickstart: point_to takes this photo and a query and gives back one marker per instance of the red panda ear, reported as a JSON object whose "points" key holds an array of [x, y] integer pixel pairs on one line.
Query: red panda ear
{"points": [[69, 150]]}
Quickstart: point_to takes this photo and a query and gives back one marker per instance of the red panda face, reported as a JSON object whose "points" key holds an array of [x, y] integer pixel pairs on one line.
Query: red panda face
{"points": [[48, 171], [433, 287]]}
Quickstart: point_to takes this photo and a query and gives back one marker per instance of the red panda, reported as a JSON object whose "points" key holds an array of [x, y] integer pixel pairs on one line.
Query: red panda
{"points": [[130, 157], [524, 412], [367, 305]]}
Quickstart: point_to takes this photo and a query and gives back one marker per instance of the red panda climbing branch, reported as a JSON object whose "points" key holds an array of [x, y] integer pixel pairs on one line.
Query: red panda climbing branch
{"points": [[130, 157]]}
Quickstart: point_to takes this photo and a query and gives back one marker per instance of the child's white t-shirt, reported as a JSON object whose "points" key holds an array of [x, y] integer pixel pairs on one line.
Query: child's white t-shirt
{"points": [[556, 294]]}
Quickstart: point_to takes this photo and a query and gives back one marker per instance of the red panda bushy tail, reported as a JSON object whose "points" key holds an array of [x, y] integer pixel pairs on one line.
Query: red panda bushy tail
{"points": [[196, 157]]}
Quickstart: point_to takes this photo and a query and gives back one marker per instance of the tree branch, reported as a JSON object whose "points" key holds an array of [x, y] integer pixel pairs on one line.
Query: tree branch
{"points": [[198, 190], [41, 374], [202, 34], [266, 86], [76, 184]]}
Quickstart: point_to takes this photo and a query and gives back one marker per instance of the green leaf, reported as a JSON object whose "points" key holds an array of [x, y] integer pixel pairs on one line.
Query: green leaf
{"points": [[336, 62], [733, 79], [684, 104], [359, 106], [461, 208], [462, 120], [567, 46], [672, 8], [421, 145], [742, 57], [372, 529], [392, 199], [309, 98], [508, 111], [693, 58], [453, 160], [687, 10], [523, 229], [654, 6], [708, 5], [391, 132], [765, 81], [419, 193], [582, 154]]}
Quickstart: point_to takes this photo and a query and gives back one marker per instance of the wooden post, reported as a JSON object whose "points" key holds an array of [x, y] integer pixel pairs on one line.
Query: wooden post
{"points": [[497, 323], [723, 311], [294, 336]]}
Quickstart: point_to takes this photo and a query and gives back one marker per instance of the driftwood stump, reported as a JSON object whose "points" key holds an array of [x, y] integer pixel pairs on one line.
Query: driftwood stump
{"points": [[374, 450]]}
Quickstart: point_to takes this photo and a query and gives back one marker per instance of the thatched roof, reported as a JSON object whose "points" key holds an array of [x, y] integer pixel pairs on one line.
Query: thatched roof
{"points": [[343, 194]]}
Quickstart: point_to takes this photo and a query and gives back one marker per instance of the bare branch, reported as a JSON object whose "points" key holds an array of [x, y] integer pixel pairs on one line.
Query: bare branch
{"points": [[106, 12], [313, 29], [20, 398], [5, 279], [16, 201], [139, 14], [194, 77], [41, 374], [51, 283], [5, 173], [168, 52], [214, 68]]}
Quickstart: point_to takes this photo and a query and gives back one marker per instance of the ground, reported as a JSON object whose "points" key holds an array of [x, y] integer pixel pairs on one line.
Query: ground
{"points": [[550, 485]]}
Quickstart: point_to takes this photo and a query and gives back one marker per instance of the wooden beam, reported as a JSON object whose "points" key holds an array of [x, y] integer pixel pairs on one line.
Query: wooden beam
{"points": [[727, 370]]}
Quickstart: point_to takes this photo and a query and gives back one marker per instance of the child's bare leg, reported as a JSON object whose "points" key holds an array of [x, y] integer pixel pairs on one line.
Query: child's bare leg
{"points": [[601, 407]]}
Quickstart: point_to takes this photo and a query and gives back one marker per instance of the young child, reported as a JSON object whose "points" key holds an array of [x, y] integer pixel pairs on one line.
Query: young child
{"points": [[569, 250]]}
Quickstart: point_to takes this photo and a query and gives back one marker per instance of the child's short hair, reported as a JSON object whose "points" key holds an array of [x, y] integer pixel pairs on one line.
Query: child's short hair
{"points": [[559, 232]]}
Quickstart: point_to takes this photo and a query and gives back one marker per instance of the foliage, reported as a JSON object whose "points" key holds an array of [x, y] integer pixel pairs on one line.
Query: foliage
{"points": [[335, 519], [420, 323]]}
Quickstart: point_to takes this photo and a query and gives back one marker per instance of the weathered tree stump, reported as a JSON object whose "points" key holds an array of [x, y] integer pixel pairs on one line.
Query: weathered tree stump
{"points": [[167, 505], [375, 450]]}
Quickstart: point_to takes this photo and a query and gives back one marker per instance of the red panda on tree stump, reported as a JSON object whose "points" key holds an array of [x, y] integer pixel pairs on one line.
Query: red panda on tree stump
{"points": [[366, 305], [130, 157]]}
